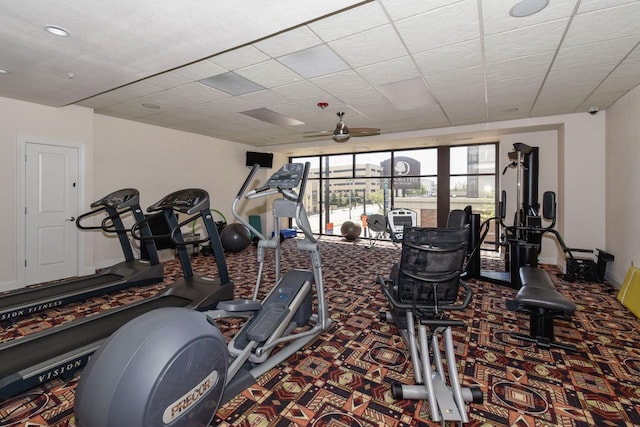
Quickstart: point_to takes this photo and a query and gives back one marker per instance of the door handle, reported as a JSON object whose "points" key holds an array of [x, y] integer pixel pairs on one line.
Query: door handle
{"points": [[73, 218]]}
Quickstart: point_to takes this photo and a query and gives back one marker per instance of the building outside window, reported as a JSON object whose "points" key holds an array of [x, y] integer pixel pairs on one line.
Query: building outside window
{"points": [[345, 187]]}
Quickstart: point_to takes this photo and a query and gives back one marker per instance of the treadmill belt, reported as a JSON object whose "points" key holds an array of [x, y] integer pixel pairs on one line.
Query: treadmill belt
{"points": [[32, 352], [53, 290]]}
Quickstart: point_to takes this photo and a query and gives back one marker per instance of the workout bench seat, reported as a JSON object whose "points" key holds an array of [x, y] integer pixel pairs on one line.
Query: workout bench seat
{"points": [[539, 297]]}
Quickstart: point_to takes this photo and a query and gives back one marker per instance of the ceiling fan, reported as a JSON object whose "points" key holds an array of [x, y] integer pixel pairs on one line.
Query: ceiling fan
{"points": [[342, 133]]}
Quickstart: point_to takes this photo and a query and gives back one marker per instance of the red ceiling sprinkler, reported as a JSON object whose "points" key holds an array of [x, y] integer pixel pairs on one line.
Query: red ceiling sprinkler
{"points": [[323, 105]]}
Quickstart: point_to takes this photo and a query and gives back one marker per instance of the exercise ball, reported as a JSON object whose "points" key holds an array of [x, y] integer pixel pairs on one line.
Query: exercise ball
{"points": [[350, 230], [235, 237]]}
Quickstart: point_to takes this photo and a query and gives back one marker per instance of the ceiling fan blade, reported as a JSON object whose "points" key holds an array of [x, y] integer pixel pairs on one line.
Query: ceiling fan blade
{"points": [[364, 131]]}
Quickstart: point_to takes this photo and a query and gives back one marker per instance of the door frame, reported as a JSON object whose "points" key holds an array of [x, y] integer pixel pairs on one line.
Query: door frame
{"points": [[83, 243]]}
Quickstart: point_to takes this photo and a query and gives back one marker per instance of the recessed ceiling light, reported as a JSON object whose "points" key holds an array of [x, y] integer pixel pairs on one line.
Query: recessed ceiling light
{"points": [[272, 117], [151, 106], [3, 71], [527, 7], [232, 83], [57, 31]]}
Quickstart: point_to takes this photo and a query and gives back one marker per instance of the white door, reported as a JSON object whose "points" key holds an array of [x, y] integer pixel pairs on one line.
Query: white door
{"points": [[51, 236]]}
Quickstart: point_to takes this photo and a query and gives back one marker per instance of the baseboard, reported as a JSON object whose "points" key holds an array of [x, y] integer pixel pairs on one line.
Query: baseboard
{"points": [[8, 286]]}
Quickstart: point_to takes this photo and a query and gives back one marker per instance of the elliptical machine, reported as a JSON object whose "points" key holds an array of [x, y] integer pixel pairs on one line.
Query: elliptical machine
{"points": [[172, 366]]}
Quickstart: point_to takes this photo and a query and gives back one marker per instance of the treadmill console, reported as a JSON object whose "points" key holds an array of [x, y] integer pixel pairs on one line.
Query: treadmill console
{"points": [[187, 201], [398, 218], [120, 199], [287, 177]]}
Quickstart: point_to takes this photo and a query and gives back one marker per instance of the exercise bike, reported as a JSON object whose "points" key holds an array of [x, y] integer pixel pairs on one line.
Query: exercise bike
{"points": [[173, 367]]}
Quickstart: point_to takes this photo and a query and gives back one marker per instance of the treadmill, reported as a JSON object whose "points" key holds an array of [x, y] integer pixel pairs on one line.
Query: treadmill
{"points": [[58, 352], [130, 272]]}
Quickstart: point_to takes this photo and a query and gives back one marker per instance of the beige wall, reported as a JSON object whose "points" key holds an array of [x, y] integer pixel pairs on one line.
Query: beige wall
{"points": [[22, 120], [622, 200], [158, 161]]}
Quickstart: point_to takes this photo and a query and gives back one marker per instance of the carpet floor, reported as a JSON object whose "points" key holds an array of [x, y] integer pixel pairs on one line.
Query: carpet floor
{"points": [[343, 377]]}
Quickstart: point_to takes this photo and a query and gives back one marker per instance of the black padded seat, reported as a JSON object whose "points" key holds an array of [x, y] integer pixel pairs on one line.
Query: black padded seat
{"points": [[546, 298], [539, 297], [535, 278]]}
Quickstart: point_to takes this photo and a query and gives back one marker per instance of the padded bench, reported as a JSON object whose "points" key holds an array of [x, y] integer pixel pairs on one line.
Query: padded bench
{"points": [[539, 297]]}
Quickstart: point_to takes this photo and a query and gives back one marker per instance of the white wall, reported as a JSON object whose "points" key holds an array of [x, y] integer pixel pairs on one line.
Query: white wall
{"points": [[623, 184], [158, 161], [37, 122]]}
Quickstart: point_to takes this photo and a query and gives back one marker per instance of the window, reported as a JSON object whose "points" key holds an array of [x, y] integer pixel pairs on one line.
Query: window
{"points": [[344, 187]]}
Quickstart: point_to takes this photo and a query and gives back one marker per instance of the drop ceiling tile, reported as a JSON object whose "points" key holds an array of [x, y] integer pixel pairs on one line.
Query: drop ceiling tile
{"points": [[305, 113], [288, 42], [612, 23], [266, 98], [635, 53], [301, 91], [196, 125], [167, 118], [314, 62], [595, 53], [200, 70], [198, 93], [602, 99], [567, 95], [461, 95], [524, 42], [339, 82], [509, 111], [452, 57], [393, 70], [166, 100], [591, 75], [121, 95], [496, 17], [225, 106], [443, 82], [625, 77], [240, 58], [453, 24], [361, 96], [269, 74], [168, 80], [360, 49], [399, 9], [506, 91], [591, 5], [350, 22], [628, 68], [532, 65]]}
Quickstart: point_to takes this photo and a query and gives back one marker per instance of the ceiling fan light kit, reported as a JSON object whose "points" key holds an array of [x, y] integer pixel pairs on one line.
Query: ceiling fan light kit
{"points": [[341, 132]]}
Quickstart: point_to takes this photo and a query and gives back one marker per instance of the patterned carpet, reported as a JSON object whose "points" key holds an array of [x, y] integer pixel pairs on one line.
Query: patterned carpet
{"points": [[343, 377]]}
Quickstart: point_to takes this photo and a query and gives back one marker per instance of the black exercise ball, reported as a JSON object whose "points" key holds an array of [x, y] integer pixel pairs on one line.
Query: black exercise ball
{"points": [[350, 230], [235, 237]]}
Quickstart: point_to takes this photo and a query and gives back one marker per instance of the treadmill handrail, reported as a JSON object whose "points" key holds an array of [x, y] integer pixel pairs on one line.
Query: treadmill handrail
{"points": [[174, 230], [135, 233]]}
